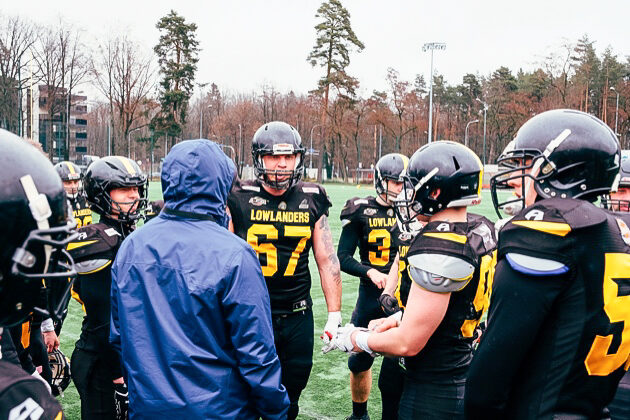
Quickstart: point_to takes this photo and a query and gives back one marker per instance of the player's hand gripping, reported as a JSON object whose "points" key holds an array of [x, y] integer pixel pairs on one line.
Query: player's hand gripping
{"points": [[378, 278], [389, 304]]}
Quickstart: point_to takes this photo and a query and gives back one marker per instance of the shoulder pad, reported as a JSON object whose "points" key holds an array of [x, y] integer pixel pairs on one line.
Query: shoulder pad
{"points": [[448, 266], [557, 216], [535, 266], [92, 266], [352, 207], [94, 239], [440, 273], [481, 234]]}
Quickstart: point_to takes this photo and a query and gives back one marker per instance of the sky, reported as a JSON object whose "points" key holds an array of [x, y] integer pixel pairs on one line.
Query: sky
{"points": [[246, 44]]}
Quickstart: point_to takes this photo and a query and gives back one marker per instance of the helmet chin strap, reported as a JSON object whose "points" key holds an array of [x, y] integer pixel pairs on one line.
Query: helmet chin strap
{"points": [[40, 209]]}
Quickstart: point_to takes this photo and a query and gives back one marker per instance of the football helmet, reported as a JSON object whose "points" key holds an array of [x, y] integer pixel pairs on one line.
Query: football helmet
{"points": [[277, 138], [441, 174], [613, 201], [392, 166], [60, 367], [109, 173], [68, 171], [35, 227], [565, 153]]}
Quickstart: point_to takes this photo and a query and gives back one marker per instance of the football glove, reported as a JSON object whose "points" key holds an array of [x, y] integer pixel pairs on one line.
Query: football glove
{"points": [[389, 304], [121, 400], [330, 330]]}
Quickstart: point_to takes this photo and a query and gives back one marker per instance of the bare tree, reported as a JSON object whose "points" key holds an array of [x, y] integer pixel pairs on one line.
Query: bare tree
{"points": [[17, 37], [125, 76]]}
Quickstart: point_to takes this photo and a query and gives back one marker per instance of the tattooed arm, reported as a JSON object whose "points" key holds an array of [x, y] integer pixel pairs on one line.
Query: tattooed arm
{"points": [[327, 264]]}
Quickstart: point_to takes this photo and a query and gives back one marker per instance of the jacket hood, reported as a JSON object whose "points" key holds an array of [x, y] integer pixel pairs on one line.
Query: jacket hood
{"points": [[197, 177]]}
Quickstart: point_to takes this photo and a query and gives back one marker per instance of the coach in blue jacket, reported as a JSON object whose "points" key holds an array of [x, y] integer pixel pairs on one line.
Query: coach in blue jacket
{"points": [[190, 309]]}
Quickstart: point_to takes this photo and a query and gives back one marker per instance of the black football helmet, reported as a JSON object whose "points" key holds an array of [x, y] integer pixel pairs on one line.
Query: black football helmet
{"points": [[452, 168], [610, 201], [566, 153], [109, 173], [392, 166], [277, 138], [60, 367], [68, 171], [35, 227]]}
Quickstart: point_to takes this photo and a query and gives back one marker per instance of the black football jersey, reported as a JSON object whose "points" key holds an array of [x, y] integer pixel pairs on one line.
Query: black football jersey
{"points": [[401, 241], [572, 326], [448, 352], [81, 211], [280, 229], [369, 224]]}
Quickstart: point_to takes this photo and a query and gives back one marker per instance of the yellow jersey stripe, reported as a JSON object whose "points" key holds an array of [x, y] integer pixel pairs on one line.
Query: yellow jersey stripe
{"points": [[554, 228], [75, 245], [128, 166], [449, 236]]}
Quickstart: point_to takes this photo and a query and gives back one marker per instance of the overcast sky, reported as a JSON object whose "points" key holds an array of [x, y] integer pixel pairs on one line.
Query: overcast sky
{"points": [[247, 43]]}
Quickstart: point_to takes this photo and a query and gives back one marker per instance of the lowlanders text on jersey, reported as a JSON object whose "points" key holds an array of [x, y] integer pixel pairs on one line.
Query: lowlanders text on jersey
{"points": [[279, 216]]}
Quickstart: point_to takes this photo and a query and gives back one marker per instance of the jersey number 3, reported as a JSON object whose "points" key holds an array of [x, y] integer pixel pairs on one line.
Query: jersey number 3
{"points": [[269, 231], [383, 259], [617, 307]]}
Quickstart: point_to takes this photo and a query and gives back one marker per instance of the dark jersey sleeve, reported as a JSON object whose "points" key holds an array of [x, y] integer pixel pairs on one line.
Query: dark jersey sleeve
{"points": [[519, 305], [322, 203], [349, 240]]}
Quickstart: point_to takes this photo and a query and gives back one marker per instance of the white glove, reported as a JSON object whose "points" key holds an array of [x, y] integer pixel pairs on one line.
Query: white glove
{"points": [[330, 330], [342, 340]]}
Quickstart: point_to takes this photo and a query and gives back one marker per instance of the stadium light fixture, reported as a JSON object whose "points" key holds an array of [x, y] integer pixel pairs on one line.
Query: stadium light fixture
{"points": [[432, 46]]}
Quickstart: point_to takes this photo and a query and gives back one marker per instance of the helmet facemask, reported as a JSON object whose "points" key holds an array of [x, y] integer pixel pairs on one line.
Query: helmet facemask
{"points": [[280, 179], [107, 207]]}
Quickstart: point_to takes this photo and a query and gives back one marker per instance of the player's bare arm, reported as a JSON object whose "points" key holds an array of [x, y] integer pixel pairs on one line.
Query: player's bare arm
{"points": [[327, 264]]}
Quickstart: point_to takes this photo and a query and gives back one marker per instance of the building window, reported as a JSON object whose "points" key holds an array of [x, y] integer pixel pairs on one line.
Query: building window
{"points": [[82, 135], [81, 149], [81, 121]]}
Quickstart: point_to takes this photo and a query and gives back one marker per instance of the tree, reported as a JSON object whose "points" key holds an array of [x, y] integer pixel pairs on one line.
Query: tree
{"points": [[335, 38], [125, 77], [177, 52], [17, 36]]}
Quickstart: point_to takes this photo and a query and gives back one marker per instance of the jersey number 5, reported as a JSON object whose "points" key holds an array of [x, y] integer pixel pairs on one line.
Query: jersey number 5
{"points": [[617, 307], [271, 233]]}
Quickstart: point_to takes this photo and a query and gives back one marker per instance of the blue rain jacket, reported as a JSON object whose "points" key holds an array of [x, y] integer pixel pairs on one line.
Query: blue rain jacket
{"points": [[190, 309]]}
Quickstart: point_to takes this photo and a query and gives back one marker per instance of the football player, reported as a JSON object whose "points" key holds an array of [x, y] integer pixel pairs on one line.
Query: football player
{"points": [[558, 335], [72, 182], [282, 218], [366, 223], [450, 265], [116, 189], [35, 227]]}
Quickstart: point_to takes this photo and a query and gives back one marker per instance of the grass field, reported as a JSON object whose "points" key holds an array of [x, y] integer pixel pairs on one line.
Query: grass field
{"points": [[327, 395]]}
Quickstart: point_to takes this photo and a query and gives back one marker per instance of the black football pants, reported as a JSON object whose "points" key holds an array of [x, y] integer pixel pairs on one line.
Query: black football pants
{"points": [[94, 384], [293, 337]]}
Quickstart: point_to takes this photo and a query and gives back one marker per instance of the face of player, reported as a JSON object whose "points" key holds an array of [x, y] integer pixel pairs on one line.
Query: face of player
{"points": [[393, 189], [71, 187], [517, 183], [279, 163], [622, 194], [125, 198]]}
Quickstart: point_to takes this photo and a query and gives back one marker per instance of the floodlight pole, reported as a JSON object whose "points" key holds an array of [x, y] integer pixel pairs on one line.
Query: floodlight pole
{"points": [[616, 110], [466, 131], [310, 165], [201, 86], [485, 110], [432, 46]]}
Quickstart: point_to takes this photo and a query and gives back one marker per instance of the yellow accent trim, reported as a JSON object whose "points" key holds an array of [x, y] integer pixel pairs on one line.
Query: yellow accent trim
{"points": [[25, 339], [70, 168], [128, 166], [405, 160], [98, 269], [449, 236], [554, 228], [75, 245], [59, 415]]}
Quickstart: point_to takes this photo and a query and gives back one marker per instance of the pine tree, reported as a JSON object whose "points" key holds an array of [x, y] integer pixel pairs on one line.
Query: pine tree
{"points": [[177, 52]]}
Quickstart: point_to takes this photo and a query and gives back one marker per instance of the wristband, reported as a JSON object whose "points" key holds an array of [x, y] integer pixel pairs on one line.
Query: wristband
{"points": [[362, 342], [47, 325]]}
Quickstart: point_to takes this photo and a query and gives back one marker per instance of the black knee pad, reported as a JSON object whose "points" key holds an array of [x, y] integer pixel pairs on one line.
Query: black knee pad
{"points": [[360, 362]]}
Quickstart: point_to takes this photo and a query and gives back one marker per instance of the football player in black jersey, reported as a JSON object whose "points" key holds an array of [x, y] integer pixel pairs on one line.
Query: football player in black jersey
{"points": [[450, 264], [558, 335], [366, 223], [282, 218], [71, 176], [35, 226], [116, 188]]}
